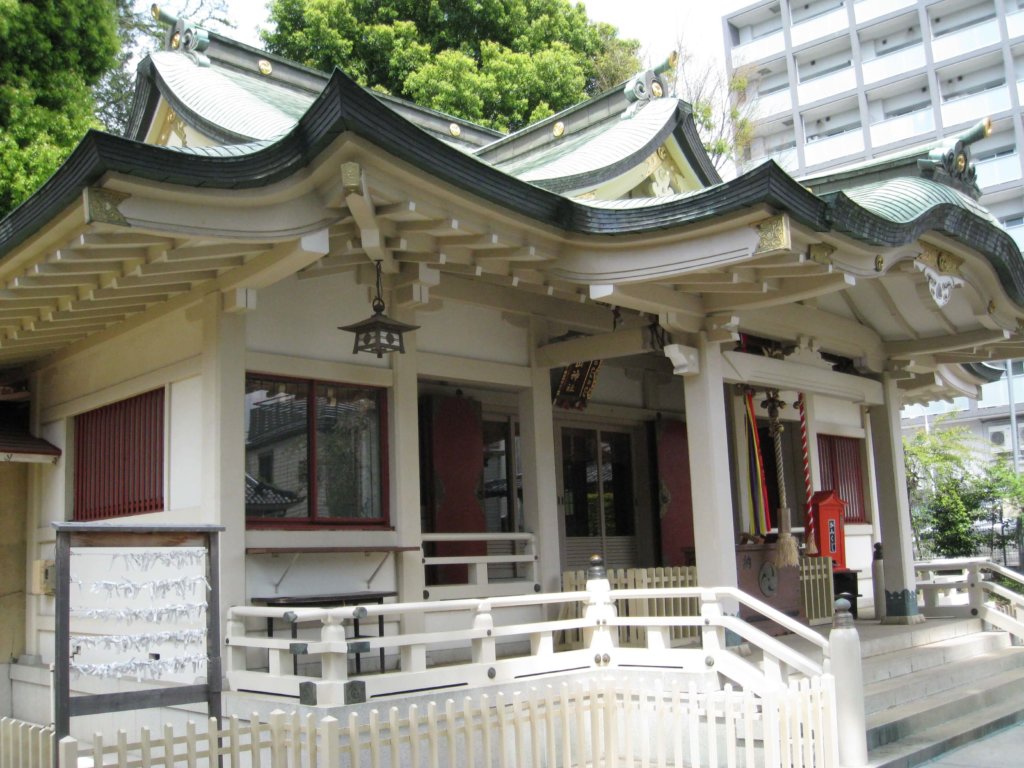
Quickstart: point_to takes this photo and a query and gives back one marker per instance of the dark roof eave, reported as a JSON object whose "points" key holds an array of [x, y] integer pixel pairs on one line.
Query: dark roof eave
{"points": [[345, 107], [993, 242]]}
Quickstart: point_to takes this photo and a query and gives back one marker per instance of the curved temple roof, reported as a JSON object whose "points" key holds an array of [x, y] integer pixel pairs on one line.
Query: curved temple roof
{"points": [[525, 174]]}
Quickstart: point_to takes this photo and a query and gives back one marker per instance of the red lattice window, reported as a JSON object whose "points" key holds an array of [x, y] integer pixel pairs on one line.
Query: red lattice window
{"points": [[841, 470], [119, 458]]}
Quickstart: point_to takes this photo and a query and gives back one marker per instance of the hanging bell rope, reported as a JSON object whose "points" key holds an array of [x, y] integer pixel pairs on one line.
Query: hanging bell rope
{"points": [[786, 551]]}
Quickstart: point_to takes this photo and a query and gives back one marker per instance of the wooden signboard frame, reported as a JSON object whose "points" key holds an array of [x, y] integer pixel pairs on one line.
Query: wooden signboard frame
{"points": [[84, 535]]}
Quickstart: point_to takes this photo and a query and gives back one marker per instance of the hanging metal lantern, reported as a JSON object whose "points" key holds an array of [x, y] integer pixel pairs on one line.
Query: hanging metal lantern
{"points": [[378, 334]]}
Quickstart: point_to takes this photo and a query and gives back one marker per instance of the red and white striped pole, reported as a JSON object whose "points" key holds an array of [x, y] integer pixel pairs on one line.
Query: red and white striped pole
{"points": [[805, 449]]}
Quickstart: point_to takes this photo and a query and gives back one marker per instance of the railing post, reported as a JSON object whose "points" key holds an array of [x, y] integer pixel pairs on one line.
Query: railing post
{"points": [[844, 652], [599, 637], [67, 751], [235, 656], [483, 647], [878, 582], [334, 663], [975, 591]]}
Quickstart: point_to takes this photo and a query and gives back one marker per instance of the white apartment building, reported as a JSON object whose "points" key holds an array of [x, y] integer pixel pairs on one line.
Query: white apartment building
{"points": [[842, 81]]}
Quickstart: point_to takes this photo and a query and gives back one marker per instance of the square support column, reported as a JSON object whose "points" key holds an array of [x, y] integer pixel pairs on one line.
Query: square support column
{"points": [[894, 508], [223, 446], [713, 525], [404, 463], [537, 453]]}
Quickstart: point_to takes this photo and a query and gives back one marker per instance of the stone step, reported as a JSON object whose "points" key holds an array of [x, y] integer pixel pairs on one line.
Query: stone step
{"points": [[929, 743], [989, 664], [909, 660], [909, 720], [877, 643]]}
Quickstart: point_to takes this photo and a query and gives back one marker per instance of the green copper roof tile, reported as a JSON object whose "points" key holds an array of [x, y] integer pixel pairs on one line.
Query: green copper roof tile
{"points": [[597, 147], [221, 100], [904, 200]]}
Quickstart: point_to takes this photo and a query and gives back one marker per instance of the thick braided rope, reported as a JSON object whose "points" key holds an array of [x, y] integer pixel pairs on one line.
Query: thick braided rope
{"points": [[806, 451]]}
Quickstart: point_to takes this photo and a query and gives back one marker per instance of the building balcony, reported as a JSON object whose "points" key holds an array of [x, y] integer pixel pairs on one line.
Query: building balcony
{"points": [[820, 26], [899, 62], [832, 147], [1015, 24], [773, 104], [965, 40], [770, 45], [972, 108], [902, 127], [828, 85], [786, 158], [998, 170], [865, 10]]}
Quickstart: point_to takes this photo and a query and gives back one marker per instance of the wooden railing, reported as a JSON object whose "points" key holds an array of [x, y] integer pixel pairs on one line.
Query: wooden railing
{"points": [[599, 624], [605, 719], [508, 568], [968, 587], [633, 635]]}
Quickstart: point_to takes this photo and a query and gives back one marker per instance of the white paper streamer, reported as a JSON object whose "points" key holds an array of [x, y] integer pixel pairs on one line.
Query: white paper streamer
{"points": [[151, 613], [141, 669], [142, 561], [158, 589], [142, 642]]}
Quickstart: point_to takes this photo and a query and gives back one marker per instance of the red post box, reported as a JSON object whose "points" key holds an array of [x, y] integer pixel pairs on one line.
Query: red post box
{"points": [[827, 523]]}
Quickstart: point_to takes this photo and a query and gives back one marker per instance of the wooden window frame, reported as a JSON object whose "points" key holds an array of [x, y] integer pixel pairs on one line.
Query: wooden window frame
{"points": [[312, 521]]}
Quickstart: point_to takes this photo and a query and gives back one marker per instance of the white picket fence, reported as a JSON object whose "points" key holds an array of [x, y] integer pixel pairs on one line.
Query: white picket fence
{"points": [[25, 745], [597, 720]]}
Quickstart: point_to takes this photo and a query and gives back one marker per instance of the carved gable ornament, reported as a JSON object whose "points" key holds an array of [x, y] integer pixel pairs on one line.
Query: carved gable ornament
{"points": [[942, 270]]}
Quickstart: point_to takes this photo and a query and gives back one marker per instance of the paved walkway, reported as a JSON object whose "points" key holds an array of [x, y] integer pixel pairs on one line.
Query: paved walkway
{"points": [[1002, 749]]}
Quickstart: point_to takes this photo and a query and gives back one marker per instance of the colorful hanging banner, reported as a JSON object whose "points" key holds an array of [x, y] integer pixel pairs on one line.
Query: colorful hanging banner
{"points": [[759, 516], [576, 385]]}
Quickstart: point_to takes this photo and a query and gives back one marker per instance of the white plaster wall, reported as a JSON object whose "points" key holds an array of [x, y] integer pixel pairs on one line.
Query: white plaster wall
{"points": [[859, 553], [185, 445], [124, 366], [301, 318], [615, 386], [470, 331], [830, 412]]}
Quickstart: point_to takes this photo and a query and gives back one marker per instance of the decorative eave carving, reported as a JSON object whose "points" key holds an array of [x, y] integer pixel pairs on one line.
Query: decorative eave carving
{"points": [[942, 270], [773, 235], [821, 253], [102, 206]]}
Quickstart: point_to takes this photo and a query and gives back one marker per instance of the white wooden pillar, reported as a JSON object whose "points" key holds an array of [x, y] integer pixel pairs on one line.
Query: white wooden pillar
{"points": [[223, 441], [894, 508], [404, 463], [540, 494], [710, 482]]}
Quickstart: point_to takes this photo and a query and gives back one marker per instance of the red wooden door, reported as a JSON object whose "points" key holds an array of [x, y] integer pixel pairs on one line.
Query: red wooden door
{"points": [[457, 457], [676, 504]]}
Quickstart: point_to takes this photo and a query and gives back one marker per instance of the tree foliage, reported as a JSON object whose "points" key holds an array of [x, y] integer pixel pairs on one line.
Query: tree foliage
{"points": [[722, 108], [51, 53], [499, 63], [952, 493]]}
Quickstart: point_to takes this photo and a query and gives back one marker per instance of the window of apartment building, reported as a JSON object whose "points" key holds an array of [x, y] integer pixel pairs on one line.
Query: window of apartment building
{"points": [[314, 453], [841, 464], [119, 459]]}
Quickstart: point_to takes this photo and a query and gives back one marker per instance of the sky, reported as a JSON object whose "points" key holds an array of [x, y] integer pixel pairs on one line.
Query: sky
{"points": [[657, 24]]}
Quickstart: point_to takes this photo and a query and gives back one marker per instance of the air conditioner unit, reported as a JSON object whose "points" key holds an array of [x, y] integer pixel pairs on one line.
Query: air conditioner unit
{"points": [[999, 437]]}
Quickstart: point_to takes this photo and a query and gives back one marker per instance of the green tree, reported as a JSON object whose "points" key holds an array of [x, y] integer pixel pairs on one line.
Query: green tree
{"points": [[51, 53], [941, 487], [723, 108], [501, 63], [951, 491]]}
